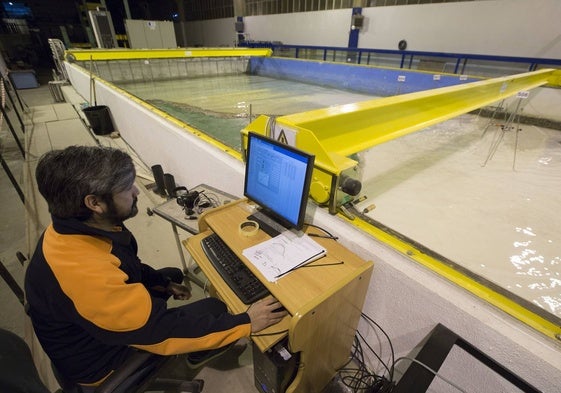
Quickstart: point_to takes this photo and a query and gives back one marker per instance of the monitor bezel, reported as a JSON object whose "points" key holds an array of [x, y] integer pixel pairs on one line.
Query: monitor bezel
{"points": [[266, 209]]}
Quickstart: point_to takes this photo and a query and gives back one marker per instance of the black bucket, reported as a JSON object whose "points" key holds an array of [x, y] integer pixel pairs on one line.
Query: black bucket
{"points": [[99, 118]]}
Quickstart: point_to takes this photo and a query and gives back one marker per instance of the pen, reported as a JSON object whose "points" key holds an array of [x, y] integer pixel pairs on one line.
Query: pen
{"points": [[310, 259]]}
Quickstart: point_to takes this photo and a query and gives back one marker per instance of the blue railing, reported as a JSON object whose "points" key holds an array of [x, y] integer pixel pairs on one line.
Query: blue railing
{"points": [[453, 63]]}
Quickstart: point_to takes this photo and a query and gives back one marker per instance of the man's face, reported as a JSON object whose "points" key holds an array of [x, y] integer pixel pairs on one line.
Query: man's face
{"points": [[123, 205]]}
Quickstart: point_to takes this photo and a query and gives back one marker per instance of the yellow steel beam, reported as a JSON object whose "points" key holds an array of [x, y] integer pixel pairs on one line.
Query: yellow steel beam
{"points": [[470, 284], [351, 128], [129, 54], [334, 134]]}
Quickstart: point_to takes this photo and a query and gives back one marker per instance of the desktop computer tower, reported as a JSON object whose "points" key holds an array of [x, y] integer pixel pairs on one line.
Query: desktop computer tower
{"points": [[274, 369]]}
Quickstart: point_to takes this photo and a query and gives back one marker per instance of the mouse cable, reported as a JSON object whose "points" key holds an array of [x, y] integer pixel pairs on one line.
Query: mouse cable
{"points": [[329, 235]]}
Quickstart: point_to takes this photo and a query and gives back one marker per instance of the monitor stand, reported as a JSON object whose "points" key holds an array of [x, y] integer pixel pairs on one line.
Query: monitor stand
{"points": [[267, 224]]}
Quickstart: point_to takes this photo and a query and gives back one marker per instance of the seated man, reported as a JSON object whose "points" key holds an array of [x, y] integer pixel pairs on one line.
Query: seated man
{"points": [[91, 300]]}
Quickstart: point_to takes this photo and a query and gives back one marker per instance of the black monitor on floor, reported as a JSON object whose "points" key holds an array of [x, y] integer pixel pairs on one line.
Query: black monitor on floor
{"points": [[277, 178]]}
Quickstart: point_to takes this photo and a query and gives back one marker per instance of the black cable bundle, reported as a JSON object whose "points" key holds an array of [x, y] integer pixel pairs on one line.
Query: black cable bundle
{"points": [[360, 378]]}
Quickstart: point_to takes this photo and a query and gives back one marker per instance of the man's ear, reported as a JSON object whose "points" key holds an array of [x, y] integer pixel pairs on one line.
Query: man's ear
{"points": [[94, 203]]}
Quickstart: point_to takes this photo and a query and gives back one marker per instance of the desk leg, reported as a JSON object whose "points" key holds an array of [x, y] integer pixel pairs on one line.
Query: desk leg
{"points": [[188, 273]]}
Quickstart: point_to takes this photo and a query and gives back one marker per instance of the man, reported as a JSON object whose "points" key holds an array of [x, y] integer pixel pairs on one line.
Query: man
{"points": [[91, 300]]}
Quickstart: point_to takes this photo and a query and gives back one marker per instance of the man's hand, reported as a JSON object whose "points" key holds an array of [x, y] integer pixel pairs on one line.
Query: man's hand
{"points": [[262, 315], [178, 291]]}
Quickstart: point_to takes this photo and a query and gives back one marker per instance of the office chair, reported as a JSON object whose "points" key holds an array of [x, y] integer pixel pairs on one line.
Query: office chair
{"points": [[18, 373], [138, 374], [17, 370]]}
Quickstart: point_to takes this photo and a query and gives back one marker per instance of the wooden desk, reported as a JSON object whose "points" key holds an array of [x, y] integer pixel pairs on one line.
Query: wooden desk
{"points": [[324, 302]]}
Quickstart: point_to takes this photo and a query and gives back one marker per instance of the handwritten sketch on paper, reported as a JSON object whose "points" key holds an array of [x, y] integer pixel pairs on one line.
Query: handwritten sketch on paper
{"points": [[283, 253]]}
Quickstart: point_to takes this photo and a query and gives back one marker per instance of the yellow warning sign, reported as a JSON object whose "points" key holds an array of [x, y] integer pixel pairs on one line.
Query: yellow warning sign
{"points": [[282, 137]]}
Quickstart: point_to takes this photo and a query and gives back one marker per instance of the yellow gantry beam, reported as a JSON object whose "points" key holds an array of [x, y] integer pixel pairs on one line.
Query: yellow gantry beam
{"points": [[131, 54], [471, 284], [347, 129]]}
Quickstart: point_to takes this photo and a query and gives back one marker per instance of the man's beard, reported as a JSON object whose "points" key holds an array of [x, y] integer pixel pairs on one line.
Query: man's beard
{"points": [[118, 217]]}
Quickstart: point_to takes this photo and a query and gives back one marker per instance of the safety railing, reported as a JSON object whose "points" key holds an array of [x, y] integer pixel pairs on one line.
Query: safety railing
{"points": [[451, 63]]}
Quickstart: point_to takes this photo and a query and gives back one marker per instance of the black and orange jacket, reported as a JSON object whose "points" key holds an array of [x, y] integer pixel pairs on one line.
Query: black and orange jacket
{"points": [[88, 301]]}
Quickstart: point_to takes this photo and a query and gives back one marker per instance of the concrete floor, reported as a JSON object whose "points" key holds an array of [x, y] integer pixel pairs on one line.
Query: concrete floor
{"points": [[51, 125]]}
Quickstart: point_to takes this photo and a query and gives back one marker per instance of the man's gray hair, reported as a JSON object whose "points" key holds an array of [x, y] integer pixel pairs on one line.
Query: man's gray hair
{"points": [[65, 177]]}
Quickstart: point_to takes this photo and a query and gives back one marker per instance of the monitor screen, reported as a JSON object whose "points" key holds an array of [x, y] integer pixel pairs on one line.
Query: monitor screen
{"points": [[277, 178]]}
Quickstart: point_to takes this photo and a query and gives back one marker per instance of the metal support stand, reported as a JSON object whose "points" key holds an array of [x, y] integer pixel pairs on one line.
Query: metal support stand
{"points": [[12, 283], [518, 129], [8, 83], [507, 126], [191, 276], [497, 109], [14, 107], [22, 150], [12, 179]]}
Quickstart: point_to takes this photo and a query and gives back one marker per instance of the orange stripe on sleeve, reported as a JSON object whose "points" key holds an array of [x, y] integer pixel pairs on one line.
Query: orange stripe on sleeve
{"points": [[175, 346]]}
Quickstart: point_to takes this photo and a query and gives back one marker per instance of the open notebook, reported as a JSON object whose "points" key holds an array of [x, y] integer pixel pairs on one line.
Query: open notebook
{"points": [[284, 253]]}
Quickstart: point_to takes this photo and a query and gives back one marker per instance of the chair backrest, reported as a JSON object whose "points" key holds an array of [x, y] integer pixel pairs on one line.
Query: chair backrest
{"points": [[132, 376], [18, 373]]}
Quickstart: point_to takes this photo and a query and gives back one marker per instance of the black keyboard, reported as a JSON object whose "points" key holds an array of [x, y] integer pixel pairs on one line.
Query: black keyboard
{"points": [[236, 274]]}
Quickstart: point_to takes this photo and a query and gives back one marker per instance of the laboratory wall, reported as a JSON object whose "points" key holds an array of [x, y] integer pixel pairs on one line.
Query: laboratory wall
{"points": [[525, 28]]}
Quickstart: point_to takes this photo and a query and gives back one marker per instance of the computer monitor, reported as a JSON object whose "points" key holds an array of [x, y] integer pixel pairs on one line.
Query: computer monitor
{"points": [[277, 179]]}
